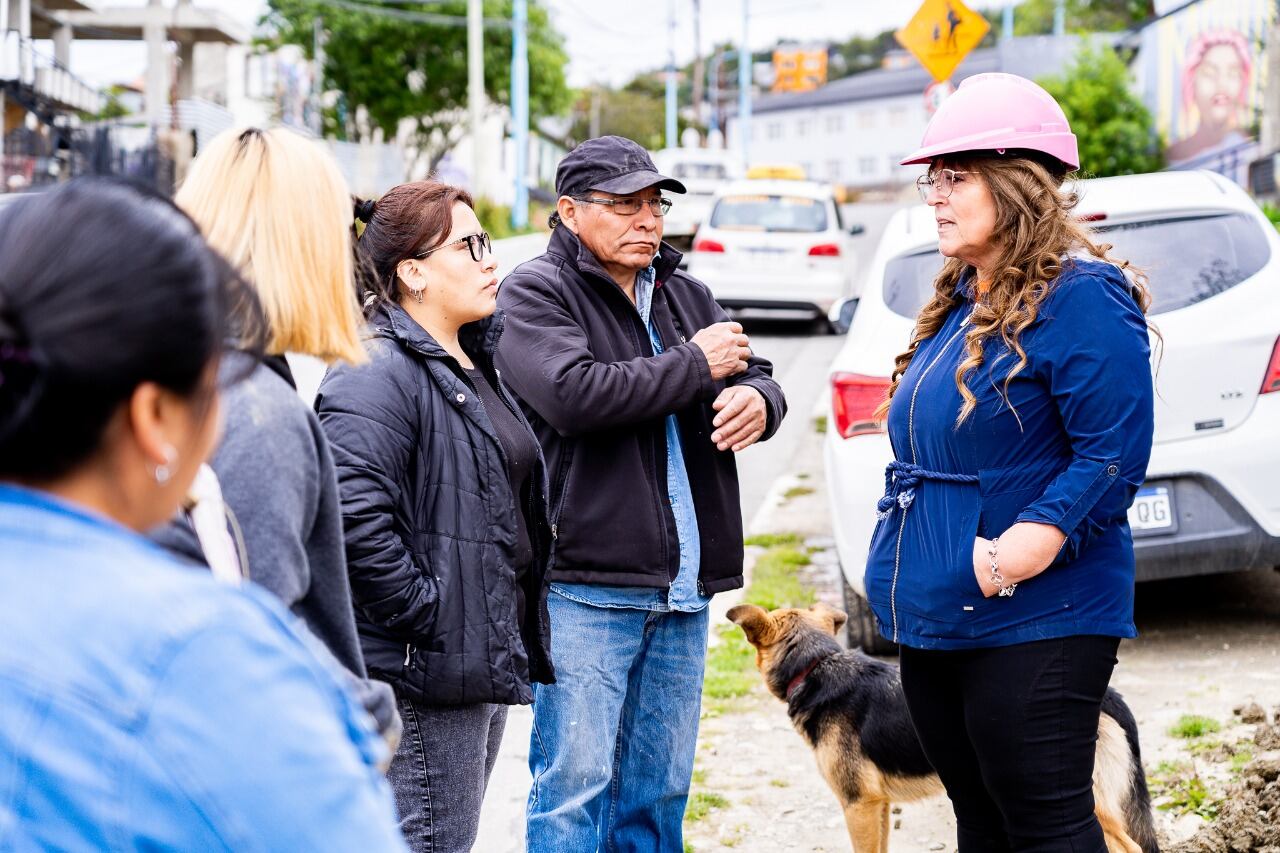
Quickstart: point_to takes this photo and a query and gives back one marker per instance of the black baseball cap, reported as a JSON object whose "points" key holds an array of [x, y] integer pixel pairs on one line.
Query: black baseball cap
{"points": [[611, 164]]}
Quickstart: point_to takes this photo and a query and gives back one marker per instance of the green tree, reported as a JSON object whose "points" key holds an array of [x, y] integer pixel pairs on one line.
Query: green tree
{"points": [[1114, 128], [1035, 17], [393, 66]]}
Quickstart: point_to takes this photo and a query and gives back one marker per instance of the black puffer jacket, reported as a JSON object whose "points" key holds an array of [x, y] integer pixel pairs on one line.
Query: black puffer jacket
{"points": [[430, 524]]}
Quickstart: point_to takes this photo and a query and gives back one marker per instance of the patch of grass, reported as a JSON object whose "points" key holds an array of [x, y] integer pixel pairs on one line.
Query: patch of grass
{"points": [[1239, 759], [731, 670], [1183, 789], [797, 492], [780, 783], [702, 803], [688, 847], [1200, 746], [1193, 726], [771, 540], [699, 776], [774, 582], [802, 475], [820, 424]]}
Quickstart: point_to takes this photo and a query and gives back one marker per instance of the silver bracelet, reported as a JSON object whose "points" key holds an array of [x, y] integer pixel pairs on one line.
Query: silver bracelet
{"points": [[997, 579]]}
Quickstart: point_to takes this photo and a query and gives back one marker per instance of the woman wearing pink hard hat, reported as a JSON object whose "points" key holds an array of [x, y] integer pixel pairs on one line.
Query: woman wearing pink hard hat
{"points": [[1020, 416]]}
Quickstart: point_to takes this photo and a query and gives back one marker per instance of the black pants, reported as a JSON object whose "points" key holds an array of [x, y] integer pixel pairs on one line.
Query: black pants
{"points": [[1012, 733]]}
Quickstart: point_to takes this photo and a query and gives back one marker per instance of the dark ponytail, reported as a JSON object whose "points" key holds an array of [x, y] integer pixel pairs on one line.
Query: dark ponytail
{"points": [[408, 219], [103, 286]]}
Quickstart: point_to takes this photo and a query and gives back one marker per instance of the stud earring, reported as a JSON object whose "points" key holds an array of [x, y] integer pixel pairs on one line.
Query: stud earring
{"points": [[164, 473]]}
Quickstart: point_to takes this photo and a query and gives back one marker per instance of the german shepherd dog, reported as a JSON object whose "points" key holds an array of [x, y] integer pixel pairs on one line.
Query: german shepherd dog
{"points": [[852, 713]]}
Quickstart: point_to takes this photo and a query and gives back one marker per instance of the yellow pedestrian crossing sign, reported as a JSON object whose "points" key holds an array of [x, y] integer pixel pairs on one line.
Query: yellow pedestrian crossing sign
{"points": [[941, 34]]}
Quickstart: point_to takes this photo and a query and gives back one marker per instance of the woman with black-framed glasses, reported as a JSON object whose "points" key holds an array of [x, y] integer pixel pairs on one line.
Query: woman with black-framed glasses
{"points": [[443, 501]]}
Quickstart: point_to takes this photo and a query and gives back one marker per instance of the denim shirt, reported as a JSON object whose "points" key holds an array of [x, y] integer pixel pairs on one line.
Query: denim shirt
{"points": [[682, 594], [143, 706]]}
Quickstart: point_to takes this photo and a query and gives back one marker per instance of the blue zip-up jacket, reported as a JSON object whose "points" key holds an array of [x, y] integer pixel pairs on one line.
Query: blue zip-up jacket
{"points": [[143, 706], [1071, 453]]}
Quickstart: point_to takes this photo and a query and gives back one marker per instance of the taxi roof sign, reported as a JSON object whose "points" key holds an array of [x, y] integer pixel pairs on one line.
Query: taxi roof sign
{"points": [[941, 34], [777, 172]]}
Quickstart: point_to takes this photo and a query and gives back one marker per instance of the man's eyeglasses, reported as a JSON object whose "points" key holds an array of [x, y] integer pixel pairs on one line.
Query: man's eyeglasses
{"points": [[631, 206], [478, 244], [943, 180]]}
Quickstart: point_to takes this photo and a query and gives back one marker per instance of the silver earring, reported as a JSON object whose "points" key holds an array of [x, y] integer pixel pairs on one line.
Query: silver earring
{"points": [[164, 473], [417, 294]]}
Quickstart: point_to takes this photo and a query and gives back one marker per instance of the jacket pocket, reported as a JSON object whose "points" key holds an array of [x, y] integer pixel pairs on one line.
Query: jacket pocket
{"points": [[1006, 492], [935, 570]]}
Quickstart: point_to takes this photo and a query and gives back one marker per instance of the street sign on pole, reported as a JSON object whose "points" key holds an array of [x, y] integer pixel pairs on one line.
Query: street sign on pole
{"points": [[520, 110], [941, 34]]}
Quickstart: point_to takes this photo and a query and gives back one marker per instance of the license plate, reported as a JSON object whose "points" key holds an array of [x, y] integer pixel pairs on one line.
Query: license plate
{"points": [[1153, 511]]}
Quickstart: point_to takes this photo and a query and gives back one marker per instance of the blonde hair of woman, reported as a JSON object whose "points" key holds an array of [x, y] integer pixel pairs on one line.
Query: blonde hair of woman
{"points": [[275, 205]]}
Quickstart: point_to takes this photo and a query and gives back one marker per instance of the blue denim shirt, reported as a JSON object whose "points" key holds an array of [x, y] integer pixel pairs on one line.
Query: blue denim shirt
{"points": [[1071, 452], [683, 593], [145, 707]]}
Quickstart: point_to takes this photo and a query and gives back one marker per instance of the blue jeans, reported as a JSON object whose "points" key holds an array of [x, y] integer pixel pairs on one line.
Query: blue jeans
{"points": [[613, 739]]}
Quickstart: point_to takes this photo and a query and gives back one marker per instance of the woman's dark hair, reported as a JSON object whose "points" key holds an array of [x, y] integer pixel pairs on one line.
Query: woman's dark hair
{"points": [[103, 286], [408, 219]]}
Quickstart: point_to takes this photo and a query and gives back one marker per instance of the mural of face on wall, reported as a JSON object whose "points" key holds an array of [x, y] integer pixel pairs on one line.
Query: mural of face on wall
{"points": [[1215, 86]]}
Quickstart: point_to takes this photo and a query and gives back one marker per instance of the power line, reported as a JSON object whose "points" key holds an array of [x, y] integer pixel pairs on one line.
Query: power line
{"points": [[412, 17]]}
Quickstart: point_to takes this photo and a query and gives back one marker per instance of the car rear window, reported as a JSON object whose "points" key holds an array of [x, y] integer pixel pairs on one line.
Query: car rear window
{"points": [[706, 171], [1187, 260], [770, 213]]}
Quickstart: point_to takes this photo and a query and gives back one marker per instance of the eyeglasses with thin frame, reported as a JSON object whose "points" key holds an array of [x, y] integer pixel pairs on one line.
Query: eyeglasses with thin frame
{"points": [[477, 244], [943, 180], [631, 206]]}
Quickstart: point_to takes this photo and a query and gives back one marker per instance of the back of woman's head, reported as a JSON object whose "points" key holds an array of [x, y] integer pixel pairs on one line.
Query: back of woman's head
{"points": [[275, 205], [407, 220], [103, 287]]}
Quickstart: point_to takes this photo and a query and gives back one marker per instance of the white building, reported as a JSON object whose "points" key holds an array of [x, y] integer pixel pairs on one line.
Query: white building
{"points": [[853, 131]]}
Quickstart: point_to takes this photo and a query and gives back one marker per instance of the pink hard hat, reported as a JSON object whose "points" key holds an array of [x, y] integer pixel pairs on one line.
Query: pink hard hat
{"points": [[998, 112]]}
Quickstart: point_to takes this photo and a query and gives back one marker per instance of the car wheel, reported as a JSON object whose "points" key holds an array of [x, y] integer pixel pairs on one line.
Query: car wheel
{"points": [[861, 628]]}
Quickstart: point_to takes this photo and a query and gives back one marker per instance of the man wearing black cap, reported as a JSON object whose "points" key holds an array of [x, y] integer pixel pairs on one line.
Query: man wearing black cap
{"points": [[641, 391]]}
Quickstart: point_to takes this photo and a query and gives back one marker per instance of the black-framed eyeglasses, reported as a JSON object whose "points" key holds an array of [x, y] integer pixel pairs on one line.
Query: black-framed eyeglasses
{"points": [[477, 244], [631, 206], [943, 180]]}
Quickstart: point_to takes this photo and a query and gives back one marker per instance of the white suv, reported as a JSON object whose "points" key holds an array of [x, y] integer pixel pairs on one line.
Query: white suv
{"points": [[1211, 502]]}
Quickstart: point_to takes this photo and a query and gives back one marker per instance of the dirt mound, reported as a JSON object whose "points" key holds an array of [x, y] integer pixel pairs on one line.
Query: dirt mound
{"points": [[1249, 818]]}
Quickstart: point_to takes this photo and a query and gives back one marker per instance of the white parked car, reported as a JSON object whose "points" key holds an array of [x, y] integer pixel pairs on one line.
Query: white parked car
{"points": [[1211, 502], [776, 244], [702, 171]]}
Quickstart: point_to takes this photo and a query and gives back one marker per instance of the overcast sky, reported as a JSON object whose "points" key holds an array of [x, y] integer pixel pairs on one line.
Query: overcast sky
{"points": [[608, 41]]}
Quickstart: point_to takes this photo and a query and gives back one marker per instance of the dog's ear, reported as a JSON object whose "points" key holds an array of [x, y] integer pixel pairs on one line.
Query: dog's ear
{"points": [[837, 618], [754, 621]]}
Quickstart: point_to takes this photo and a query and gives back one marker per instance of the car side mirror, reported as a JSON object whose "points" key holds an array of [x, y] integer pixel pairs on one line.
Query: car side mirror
{"points": [[841, 316], [855, 230]]}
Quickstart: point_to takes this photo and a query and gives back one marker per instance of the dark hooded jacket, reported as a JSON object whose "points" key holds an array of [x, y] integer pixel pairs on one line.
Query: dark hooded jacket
{"points": [[580, 359], [430, 520]]}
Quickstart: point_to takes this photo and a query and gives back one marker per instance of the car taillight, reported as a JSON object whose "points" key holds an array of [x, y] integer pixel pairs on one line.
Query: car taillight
{"points": [[854, 400], [707, 246], [1271, 382], [825, 250]]}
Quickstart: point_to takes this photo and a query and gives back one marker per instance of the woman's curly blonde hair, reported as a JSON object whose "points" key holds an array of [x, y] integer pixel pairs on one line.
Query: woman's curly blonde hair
{"points": [[1037, 231]]}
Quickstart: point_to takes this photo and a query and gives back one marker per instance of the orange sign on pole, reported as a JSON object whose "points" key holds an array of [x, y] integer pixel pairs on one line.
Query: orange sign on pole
{"points": [[941, 34]]}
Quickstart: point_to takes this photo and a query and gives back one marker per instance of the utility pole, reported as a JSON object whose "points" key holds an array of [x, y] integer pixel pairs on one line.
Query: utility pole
{"points": [[475, 87], [697, 60], [672, 142], [317, 75], [1007, 23], [1060, 17], [744, 87], [520, 109]]}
